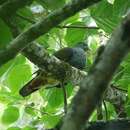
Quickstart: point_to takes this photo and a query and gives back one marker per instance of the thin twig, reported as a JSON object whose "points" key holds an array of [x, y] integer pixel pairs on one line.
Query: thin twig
{"points": [[80, 27], [65, 97], [105, 107]]}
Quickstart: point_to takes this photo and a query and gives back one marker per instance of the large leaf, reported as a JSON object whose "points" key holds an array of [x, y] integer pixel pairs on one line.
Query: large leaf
{"points": [[28, 128], [5, 34], [10, 115], [20, 59], [50, 120], [105, 19], [17, 77], [107, 16], [30, 110], [24, 16], [74, 35], [14, 128], [54, 97]]}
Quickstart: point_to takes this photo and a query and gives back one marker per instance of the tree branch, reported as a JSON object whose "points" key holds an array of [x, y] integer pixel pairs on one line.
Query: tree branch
{"points": [[42, 27], [122, 124], [57, 69]]}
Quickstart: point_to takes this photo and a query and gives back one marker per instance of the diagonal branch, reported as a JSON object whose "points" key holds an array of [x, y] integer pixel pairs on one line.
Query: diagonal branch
{"points": [[42, 27], [120, 124], [57, 69]]}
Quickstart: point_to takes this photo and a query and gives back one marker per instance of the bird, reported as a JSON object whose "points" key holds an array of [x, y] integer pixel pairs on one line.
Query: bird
{"points": [[75, 56]]}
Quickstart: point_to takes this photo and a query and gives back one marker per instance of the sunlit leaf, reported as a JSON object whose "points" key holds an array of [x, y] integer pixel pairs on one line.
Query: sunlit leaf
{"points": [[14, 128], [10, 115], [74, 35], [18, 76]]}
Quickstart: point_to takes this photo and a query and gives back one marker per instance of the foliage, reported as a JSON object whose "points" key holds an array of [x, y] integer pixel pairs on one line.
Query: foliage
{"points": [[45, 107]]}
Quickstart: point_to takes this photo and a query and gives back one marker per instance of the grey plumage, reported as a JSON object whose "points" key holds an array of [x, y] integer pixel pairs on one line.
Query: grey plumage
{"points": [[75, 56]]}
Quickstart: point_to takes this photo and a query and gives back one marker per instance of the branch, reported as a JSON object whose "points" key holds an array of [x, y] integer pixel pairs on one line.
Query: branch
{"points": [[42, 27], [93, 86], [54, 67], [122, 124]]}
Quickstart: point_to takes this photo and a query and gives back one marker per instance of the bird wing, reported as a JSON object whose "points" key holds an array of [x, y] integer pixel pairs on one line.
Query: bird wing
{"points": [[64, 54]]}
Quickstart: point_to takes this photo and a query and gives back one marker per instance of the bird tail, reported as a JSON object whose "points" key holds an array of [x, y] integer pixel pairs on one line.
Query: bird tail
{"points": [[31, 86], [41, 79]]}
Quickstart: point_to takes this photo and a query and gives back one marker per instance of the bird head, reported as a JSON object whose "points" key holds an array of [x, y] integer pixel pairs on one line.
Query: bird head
{"points": [[82, 45]]}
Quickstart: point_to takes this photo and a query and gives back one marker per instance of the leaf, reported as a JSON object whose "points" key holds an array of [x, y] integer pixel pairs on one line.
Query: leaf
{"points": [[129, 91], [7, 97], [120, 7], [50, 120], [54, 97], [127, 108], [10, 115], [30, 111], [74, 35], [14, 128], [107, 16], [17, 77], [24, 12], [72, 19], [28, 128], [5, 34], [20, 59], [53, 4], [106, 21]]}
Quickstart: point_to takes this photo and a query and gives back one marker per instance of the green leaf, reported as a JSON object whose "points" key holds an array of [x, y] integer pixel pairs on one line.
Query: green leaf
{"points": [[50, 120], [14, 128], [124, 80], [24, 12], [5, 34], [7, 97], [120, 7], [54, 97], [127, 108], [72, 19], [10, 115], [30, 111], [107, 16], [129, 91], [74, 35], [53, 4], [18, 76], [28, 128], [20, 59], [106, 21]]}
